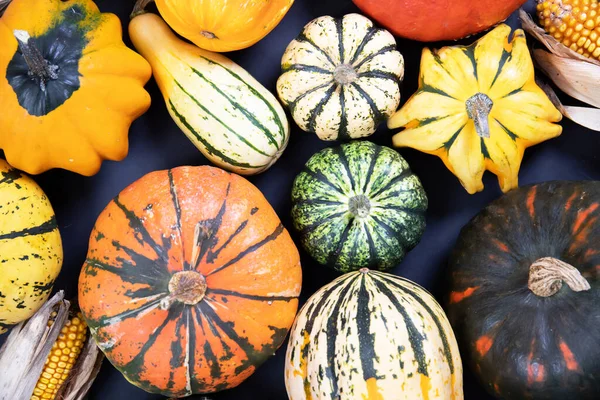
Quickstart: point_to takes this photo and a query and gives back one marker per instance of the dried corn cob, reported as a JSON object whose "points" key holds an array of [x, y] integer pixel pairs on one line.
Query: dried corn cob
{"points": [[574, 23], [62, 357]]}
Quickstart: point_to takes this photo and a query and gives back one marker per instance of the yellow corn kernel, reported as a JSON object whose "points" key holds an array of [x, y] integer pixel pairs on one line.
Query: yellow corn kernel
{"points": [[574, 23], [61, 359]]}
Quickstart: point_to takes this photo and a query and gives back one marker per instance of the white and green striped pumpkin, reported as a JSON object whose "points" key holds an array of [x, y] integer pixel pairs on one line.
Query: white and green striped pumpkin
{"points": [[341, 77], [227, 114], [372, 335], [358, 205]]}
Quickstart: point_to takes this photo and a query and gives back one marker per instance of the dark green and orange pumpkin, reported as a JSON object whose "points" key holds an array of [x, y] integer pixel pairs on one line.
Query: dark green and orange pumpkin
{"points": [[191, 281], [525, 292]]}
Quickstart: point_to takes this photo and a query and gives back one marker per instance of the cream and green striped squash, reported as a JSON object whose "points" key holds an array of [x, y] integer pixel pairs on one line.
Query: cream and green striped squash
{"points": [[375, 336], [31, 252], [341, 77], [226, 113], [358, 205]]}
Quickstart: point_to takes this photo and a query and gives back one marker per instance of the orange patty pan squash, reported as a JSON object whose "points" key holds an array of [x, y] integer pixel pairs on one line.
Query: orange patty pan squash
{"points": [[221, 25], [477, 108], [69, 87]]}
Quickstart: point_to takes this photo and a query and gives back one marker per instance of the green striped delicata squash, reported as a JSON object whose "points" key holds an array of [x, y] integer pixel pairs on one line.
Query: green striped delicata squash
{"points": [[358, 205], [31, 252], [226, 113], [341, 77], [372, 335]]}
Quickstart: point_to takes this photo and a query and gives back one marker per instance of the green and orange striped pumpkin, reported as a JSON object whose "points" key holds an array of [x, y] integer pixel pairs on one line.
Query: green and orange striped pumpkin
{"points": [[191, 281], [372, 335], [525, 292]]}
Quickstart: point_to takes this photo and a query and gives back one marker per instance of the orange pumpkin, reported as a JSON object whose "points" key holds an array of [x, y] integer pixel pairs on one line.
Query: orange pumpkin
{"points": [[221, 25], [191, 281], [429, 21]]}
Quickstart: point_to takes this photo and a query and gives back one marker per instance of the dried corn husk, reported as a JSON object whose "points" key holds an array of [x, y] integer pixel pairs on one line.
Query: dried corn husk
{"points": [[574, 74], [23, 355]]}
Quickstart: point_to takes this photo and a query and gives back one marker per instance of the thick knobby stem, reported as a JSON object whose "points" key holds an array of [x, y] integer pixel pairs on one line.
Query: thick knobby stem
{"points": [[546, 277], [208, 35], [478, 109], [187, 287], [359, 206], [345, 74], [39, 67], [139, 8]]}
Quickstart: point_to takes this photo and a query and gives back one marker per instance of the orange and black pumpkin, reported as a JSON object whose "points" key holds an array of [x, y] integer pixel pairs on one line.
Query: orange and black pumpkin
{"points": [[525, 292], [191, 282]]}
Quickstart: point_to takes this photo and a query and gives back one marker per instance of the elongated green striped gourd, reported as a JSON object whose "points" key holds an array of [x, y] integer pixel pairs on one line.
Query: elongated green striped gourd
{"points": [[228, 115], [372, 335], [341, 77], [358, 205], [31, 252]]}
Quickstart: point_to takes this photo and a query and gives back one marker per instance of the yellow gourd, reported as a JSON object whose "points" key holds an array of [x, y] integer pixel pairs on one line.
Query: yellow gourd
{"points": [[68, 106], [478, 108], [31, 251]]}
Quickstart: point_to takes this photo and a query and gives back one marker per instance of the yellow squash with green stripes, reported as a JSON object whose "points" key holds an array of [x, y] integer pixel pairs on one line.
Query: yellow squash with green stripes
{"points": [[228, 115], [31, 252]]}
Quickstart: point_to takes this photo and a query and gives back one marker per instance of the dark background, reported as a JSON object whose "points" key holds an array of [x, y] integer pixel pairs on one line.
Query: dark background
{"points": [[156, 143]]}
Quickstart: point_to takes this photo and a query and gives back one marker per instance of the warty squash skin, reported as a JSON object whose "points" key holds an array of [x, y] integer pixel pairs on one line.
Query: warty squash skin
{"points": [[478, 108], [372, 335], [430, 21], [223, 25], [341, 77], [527, 324], [191, 281], [76, 111], [227, 114], [31, 252]]}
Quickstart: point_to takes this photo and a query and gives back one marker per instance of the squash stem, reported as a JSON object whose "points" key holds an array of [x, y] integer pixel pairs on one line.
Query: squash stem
{"points": [[39, 68], [139, 8], [359, 206], [187, 287], [345, 74], [547, 274], [478, 109]]}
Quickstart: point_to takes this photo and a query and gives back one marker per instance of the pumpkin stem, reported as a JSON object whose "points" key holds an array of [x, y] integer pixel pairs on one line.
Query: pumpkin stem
{"points": [[546, 277], [139, 8], [478, 109], [359, 206], [345, 74], [187, 287], [39, 68]]}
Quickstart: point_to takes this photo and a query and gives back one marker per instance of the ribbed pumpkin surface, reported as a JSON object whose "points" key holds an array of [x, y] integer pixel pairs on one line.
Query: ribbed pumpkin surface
{"points": [[31, 251], [372, 335], [151, 243], [358, 205]]}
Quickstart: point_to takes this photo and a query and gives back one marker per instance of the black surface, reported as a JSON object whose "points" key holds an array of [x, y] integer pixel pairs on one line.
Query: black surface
{"points": [[156, 143]]}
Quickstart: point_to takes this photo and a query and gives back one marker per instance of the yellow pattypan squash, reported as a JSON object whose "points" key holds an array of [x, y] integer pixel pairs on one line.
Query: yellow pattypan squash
{"points": [[478, 108], [69, 87]]}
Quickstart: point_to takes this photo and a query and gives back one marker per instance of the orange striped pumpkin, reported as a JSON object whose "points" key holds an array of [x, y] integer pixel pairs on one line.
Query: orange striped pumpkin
{"points": [[191, 282]]}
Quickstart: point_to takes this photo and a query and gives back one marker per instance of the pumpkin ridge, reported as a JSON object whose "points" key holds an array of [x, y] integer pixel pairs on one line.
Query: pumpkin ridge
{"points": [[306, 68], [41, 229], [303, 38], [436, 320], [207, 111], [212, 256], [372, 163], [335, 255], [177, 208], [128, 272], [253, 120], [11, 176], [343, 129], [341, 154], [397, 179], [375, 113], [292, 105], [140, 229], [320, 177], [309, 228], [209, 148], [415, 338], [340, 30], [233, 293], [278, 230], [319, 107], [379, 52], [366, 39], [107, 321], [379, 74]]}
